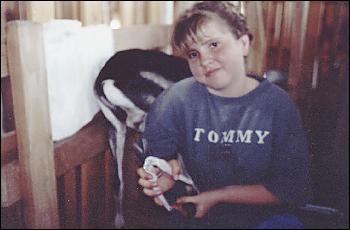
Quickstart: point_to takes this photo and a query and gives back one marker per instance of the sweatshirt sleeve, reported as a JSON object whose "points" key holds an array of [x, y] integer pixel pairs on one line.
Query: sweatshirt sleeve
{"points": [[161, 130], [288, 177]]}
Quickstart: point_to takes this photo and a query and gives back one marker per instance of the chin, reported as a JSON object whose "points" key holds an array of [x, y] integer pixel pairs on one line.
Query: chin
{"points": [[216, 89], [217, 85]]}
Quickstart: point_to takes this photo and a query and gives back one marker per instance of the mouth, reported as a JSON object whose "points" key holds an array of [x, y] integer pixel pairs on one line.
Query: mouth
{"points": [[211, 72]]}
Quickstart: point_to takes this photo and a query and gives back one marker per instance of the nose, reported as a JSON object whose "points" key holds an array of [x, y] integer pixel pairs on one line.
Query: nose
{"points": [[206, 58]]}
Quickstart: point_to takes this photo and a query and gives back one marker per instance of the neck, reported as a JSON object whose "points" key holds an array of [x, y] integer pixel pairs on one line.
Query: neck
{"points": [[237, 88]]}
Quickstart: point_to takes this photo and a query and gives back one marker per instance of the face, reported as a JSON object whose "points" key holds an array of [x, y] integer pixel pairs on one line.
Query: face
{"points": [[216, 58]]}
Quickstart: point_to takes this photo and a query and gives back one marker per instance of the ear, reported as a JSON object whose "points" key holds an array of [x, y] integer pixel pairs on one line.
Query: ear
{"points": [[245, 44]]}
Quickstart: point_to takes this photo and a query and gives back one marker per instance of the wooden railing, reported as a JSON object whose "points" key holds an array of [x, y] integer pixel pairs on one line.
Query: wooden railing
{"points": [[85, 179], [84, 173]]}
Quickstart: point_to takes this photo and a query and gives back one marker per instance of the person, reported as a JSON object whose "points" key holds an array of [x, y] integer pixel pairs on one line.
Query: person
{"points": [[240, 136]]}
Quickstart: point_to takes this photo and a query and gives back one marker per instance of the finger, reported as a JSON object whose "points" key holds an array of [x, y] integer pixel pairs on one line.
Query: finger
{"points": [[157, 201], [200, 213], [185, 199], [175, 168], [151, 192], [143, 174], [146, 183]]}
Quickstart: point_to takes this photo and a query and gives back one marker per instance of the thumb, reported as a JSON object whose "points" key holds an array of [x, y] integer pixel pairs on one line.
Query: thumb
{"points": [[175, 169]]}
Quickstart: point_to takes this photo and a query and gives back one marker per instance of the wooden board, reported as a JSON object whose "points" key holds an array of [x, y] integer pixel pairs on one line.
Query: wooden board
{"points": [[35, 147]]}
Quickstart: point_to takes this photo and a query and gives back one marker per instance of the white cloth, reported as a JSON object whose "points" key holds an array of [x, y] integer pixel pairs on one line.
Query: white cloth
{"points": [[74, 57]]}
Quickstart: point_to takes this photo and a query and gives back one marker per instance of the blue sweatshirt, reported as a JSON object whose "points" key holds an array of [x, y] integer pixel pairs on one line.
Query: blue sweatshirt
{"points": [[257, 138]]}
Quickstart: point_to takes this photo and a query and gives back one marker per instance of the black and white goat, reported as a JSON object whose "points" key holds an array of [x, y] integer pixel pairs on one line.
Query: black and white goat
{"points": [[125, 88]]}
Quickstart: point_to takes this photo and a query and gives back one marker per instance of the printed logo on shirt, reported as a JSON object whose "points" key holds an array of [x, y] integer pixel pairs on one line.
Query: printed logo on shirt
{"points": [[231, 136]]}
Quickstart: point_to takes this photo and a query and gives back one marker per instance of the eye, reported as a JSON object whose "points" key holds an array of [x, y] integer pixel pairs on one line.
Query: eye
{"points": [[192, 54], [214, 44]]}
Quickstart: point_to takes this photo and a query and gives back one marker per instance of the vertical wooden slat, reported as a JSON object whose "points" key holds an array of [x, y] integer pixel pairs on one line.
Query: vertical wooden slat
{"points": [[159, 12], [109, 203], [309, 60], [141, 10], [97, 197], [67, 10], [271, 40], [130, 167], [4, 71], [255, 22], [29, 87], [84, 195], [290, 11], [60, 200], [297, 48], [91, 12], [285, 22], [127, 12], [92, 192], [10, 190], [7, 105], [278, 22], [269, 19], [8, 147], [70, 200], [274, 51], [40, 11], [12, 217]]}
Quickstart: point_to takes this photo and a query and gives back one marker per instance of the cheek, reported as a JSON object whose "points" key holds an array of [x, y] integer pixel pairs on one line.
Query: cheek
{"points": [[232, 61], [195, 69]]}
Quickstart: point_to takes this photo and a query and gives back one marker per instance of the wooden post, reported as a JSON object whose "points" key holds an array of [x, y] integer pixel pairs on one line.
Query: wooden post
{"points": [[35, 146]]}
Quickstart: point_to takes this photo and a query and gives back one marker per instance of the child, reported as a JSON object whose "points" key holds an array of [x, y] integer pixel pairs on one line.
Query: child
{"points": [[240, 137]]}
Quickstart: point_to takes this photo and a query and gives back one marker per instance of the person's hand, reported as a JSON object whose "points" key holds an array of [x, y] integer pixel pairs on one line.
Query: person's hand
{"points": [[203, 202], [163, 184]]}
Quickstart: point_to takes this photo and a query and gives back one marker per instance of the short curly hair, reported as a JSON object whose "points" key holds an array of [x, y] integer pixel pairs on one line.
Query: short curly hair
{"points": [[188, 24]]}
